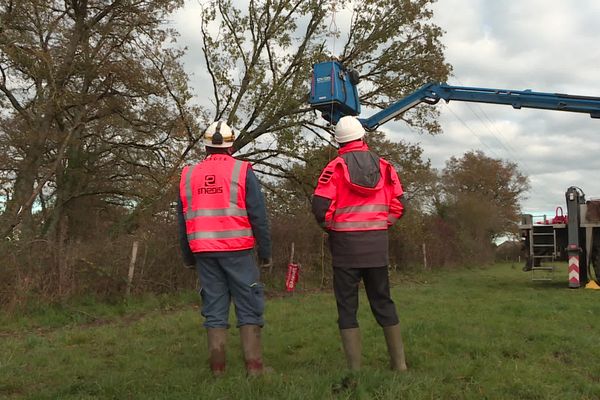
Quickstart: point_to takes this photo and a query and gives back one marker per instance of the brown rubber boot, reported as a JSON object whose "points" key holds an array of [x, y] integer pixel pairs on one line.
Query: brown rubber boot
{"points": [[393, 339], [250, 335], [352, 347], [217, 338]]}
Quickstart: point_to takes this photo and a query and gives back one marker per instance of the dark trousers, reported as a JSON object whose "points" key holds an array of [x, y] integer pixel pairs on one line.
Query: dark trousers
{"points": [[377, 286]]}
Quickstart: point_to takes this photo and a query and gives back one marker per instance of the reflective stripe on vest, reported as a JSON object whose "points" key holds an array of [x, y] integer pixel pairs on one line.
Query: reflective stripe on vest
{"points": [[363, 209], [358, 225], [362, 224], [217, 212], [188, 187], [219, 234], [235, 179]]}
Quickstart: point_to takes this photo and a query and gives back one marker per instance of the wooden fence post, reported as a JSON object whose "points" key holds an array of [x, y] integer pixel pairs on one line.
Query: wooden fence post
{"points": [[134, 250]]}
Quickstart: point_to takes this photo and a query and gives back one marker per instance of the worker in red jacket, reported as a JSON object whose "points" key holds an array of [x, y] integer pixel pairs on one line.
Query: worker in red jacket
{"points": [[358, 197], [221, 214]]}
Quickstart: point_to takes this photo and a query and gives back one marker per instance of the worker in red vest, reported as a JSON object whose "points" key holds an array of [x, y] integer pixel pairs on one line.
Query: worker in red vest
{"points": [[358, 197], [222, 214]]}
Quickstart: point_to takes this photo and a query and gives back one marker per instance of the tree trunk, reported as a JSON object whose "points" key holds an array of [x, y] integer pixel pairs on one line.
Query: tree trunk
{"points": [[17, 210]]}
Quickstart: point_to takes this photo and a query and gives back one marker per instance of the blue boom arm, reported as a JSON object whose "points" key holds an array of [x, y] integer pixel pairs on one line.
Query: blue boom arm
{"points": [[433, 92], [334, 103]]}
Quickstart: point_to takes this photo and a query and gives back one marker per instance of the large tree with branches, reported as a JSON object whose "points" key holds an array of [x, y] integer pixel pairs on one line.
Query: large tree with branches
{"points": [[260, 59], [94, 106]]}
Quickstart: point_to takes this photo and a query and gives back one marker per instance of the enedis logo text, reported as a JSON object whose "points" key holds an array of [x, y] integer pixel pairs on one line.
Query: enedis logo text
{"points": [[209, 186]]}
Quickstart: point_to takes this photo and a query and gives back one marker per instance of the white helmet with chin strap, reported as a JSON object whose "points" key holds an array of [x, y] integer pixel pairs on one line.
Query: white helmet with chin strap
{"points": [[218, 134], [348, 129]]}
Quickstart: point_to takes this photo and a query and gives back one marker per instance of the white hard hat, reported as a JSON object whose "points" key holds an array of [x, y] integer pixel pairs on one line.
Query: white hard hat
{"points": [[348, 129], [218, 134]]}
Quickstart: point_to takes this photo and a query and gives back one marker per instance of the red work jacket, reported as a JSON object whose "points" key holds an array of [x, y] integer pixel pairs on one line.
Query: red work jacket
{"points": [[213, 195], [358, 208]]}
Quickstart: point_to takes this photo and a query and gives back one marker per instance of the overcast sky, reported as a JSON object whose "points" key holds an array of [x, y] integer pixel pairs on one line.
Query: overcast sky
{"points": [[542, 45]]}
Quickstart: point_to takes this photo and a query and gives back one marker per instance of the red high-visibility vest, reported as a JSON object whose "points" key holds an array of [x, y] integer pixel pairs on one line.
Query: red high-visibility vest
{"points": [[359, 208], [213, 195]]}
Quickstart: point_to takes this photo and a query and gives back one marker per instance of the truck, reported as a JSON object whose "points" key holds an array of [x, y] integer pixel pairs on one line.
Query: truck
{"points": [[572, 237], [334, 94]]}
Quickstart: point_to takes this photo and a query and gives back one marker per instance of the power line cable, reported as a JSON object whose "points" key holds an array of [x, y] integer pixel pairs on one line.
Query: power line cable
{"points": [[489, 148], [498, 135], [510, 151]]}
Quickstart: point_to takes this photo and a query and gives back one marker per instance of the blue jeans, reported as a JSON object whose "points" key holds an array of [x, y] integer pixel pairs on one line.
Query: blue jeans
{"points": [[230, 277]]}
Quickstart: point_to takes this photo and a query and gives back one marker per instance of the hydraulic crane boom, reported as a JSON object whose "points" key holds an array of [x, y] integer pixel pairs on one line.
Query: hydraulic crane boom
{"points": [[334, 93]]}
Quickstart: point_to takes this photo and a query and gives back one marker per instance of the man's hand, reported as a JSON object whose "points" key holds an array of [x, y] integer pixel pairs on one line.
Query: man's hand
{"points": [[266, 262]]}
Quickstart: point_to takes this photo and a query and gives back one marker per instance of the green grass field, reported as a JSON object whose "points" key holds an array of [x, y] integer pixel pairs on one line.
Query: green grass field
{"points": [[488, 333]]}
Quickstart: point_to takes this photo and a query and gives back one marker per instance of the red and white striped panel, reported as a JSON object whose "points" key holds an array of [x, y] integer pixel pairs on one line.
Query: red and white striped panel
{"points": [[574, 272]]}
